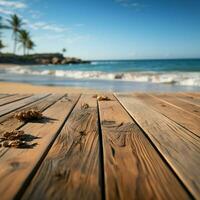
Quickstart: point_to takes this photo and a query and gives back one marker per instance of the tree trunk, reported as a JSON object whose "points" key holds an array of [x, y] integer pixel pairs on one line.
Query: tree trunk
{"points": [[24, 51], [15, 44]]}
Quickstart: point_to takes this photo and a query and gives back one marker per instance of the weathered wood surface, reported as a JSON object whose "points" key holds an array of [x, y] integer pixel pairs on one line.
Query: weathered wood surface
{"points": [[179, 103], [102, 151], [181, 117], [17, 166], [194, 94], [13, 98], [5, 95], [12, 123], [132, 167], [40, 104], [19, 104], [189, 98], [71, 169], [175, 143]]}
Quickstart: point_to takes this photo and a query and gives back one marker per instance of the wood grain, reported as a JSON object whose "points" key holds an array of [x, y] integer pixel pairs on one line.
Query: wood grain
{"points": [[133, 168], [194, 94], [13, 98], [5, 95], [17, 166], [19, 104], [188, 98], [12, 123], [179, 148], [181, 117], [71, 168], [39, 104], [187, 106]]}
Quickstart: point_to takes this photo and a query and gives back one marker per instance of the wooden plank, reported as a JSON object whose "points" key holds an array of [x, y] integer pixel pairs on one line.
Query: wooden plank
{"points": [[19, 104], [133, 168], [41, 105], [179, 103], [71, 168], [13, 98], [186, 119], [17, 166], [5, 95], [194, 94], [188, 98], [179, 147]]}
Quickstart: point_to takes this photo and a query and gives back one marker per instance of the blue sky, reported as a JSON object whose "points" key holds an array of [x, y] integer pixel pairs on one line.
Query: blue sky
{"points": [[110, 29]]}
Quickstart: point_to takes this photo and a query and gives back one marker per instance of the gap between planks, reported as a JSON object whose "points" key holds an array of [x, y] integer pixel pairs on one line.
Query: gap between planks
{"points": [[183, 118], [71, 168], [19, 165], [11, 123], [133, 168], [19, 104], [175, 143], [14, 98]]}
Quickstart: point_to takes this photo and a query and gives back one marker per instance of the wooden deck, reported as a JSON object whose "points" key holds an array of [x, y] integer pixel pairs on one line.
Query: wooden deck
{"points": [[135, 146]]}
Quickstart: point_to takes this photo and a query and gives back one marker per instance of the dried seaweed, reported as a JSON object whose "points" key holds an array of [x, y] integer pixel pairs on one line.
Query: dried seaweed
{"points": [[103, 98], [28, 115], [16, 139]]}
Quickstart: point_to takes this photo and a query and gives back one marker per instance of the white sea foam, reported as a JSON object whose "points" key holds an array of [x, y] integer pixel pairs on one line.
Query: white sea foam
{"points": [[178, 78]]}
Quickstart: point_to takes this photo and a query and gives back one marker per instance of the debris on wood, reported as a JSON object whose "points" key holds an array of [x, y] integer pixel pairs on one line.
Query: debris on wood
{"points": [[6, 144], [84, 106], [16, 139], [103, 98], [28, 115], [13, 135]]}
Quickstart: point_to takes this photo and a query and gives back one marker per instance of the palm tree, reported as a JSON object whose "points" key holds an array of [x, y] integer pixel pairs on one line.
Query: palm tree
{"points": [[30, 45], [64, 50], [1, 26], [24, 37], [1, 45], [15, 24]]}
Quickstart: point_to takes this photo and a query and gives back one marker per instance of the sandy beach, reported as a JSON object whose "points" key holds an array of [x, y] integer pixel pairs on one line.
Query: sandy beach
{"points": [[3, 66], [9, 87]]}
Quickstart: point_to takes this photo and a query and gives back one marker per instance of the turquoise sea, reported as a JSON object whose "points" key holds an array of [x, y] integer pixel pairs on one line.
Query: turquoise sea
{"points": [[113, 75]]}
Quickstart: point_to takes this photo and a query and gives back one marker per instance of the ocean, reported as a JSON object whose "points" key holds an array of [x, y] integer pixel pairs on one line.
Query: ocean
{"points": [[113, 75]]}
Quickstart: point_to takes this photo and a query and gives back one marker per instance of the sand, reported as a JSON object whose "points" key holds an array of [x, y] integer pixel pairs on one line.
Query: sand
{"points": [[22, 88], [9, 87], [7, 65]]}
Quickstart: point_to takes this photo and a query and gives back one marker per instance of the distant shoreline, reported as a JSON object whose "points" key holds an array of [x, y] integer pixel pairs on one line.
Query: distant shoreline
{"points": [[40, 59]]}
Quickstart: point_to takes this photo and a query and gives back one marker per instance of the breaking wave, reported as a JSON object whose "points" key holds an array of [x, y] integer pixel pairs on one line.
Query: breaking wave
{"points": [[177, 78]]}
